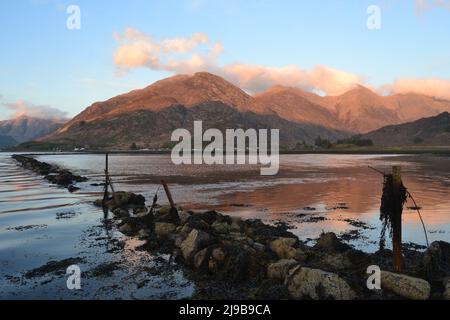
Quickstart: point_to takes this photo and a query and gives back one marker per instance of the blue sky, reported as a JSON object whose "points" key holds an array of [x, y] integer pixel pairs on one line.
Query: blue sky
{"points": [[42, 63]]}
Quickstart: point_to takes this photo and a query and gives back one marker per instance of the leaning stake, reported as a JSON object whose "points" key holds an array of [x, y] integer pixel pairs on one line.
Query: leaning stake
{"points": [[105, 194], [173, 213], [398, 191]]}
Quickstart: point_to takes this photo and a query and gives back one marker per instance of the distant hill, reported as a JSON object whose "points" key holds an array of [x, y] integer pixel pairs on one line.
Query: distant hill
{"points": [[153, 129], [24, 128], [426, 131], [174, 102], [7, 141], [359, 110], [147, 117]]}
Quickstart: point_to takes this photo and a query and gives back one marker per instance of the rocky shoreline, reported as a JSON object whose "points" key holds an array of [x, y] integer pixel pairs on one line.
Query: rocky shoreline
{"points": [[232, 258], [61, 177]]}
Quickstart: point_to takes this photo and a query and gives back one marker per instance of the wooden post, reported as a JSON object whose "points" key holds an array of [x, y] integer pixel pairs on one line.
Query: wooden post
{"points": [[397, 220], [168, 194], [105, 194], [173, 213]]}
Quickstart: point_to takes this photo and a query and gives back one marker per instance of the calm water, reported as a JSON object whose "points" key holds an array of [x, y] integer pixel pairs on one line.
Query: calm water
{"points": [[337, 187]]}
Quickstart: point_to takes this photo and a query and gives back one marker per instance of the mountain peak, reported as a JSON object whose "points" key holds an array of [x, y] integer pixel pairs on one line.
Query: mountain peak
{"points": [[186, 90], [360, 90]]}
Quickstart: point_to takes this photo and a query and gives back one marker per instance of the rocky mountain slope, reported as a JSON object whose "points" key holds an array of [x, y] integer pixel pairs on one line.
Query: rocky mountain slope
{"points": [[153, 129], [359, 110], [425, 131], [25, 128], [148, 116]]}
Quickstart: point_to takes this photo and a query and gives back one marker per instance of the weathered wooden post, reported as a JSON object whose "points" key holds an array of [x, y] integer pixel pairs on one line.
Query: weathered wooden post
{"points": [[168, 194], [397, 218], [172, 215], [105, 194]]}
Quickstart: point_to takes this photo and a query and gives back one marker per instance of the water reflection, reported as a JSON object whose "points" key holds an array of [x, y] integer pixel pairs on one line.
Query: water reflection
{"points": [[317, 181]]}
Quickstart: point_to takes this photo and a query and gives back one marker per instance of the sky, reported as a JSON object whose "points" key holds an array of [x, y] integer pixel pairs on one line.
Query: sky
{"points": [[50, 70]]}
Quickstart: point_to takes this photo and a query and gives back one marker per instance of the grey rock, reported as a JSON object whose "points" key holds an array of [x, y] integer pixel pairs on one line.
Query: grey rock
{"points": [[317, 284], [447, 290], [164, 229], [405, 286], [221, 227], [195, 241], [328, 242], [283, 247], [280, 269]]}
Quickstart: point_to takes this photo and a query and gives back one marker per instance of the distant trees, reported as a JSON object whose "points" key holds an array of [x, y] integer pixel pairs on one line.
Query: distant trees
{"points": [[357, 141], [418, 140], [134, 146], [323, 143]]}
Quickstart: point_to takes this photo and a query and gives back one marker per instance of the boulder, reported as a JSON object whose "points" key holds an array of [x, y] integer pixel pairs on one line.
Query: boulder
{"points": [[122, 199], [236, 224], [283, 247], [405, 286], [436, 260], [317, 284], [259, 247], [120, 213], [328, 242], [447, 290], [171, 216], [216, 260], [163, 210], [280, 269], [126, 229], [209, 216], [195, 222], [131, 226], [336, 261], [201, 259], [140, 211], [184, 216], [164, 229], [144, 233], [218, 254], [182, 234], [194, 242], [221, 227]]}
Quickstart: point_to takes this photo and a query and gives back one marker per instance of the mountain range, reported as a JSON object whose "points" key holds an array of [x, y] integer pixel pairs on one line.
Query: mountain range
{"points": [[24, 128], [148, 116], [426, 131]]}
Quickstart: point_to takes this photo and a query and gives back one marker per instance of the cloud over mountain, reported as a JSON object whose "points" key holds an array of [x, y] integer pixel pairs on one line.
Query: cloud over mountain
{"points": [[432, 87], [23, 108], [198, 52]]}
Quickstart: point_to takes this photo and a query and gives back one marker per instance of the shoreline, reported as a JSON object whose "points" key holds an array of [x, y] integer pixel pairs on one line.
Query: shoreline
{"points": [[402, 150], [233, 258]]}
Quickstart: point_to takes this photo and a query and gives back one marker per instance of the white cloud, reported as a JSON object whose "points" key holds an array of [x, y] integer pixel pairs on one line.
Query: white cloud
{"points": [[23, 108], [197, 53], [438, 88]]}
